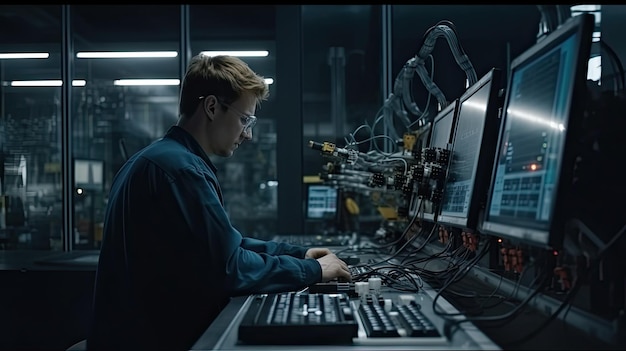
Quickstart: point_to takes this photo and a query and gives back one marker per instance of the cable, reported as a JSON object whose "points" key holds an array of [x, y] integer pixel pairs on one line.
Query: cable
{"points": [[406, 166], [572, 292], [563, 13], [548, 18], [512, 295], [400, 238], [425, 113], [503, 317], [615, 60], [462, 271]]}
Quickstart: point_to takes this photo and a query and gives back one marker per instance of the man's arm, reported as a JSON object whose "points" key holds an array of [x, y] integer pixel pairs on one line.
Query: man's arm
{"points": [[273, 247], [242, 269]]}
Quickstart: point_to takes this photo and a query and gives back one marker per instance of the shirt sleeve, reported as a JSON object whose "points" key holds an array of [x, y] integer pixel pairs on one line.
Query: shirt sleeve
{"points": [[245, 266], [273, 247]]}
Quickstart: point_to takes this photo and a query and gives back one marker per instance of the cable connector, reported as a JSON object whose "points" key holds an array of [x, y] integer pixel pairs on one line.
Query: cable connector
{"points": [[330, 149]]}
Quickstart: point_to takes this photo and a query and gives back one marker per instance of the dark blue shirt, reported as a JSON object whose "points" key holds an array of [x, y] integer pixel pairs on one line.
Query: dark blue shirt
{"points": [[170, 257]]}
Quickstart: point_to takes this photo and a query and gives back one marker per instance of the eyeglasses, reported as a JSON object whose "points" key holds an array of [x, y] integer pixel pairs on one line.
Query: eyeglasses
{"points": [[248, 121]]}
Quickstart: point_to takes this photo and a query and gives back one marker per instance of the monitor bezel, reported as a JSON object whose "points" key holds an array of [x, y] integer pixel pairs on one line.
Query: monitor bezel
{"points": [[553, 236], [486, 151], [453, 108]]}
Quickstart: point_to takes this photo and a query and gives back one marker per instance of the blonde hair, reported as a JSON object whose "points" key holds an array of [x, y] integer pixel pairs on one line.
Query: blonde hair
{"points": [[226, 77]]}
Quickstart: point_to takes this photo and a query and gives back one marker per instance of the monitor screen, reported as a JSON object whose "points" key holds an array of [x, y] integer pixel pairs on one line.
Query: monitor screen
{"points": [[88, 173], [471, 162], [441, 133], [533, 166], [321, 202]]}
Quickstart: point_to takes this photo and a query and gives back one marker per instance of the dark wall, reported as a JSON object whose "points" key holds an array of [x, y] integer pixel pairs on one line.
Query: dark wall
{"points": [[490, 35], [613, 27], [44, 310]]}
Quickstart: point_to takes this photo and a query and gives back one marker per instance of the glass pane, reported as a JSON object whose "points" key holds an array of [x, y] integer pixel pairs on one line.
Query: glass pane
{"points": [[341, 86], [248, 179], [30, 121], [124, 104]]}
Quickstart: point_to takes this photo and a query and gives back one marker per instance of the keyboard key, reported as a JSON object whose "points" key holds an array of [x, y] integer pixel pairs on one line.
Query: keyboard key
{"points": [[376, 321], [415, 322]]}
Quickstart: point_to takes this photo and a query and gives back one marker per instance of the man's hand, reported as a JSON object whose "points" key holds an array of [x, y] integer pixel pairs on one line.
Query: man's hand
{"points": [[317, 252], [333, 267]]}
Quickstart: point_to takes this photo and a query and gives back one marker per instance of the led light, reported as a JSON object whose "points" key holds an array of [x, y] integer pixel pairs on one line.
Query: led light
{"points": [[536, 119], [127, 54], [269, 81], [46, 83], [25, 55], [585, 8], [259, 53], [146, 82]]}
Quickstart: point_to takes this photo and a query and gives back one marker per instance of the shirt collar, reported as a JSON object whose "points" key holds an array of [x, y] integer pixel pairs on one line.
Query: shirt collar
{"points": [[183, 137]]}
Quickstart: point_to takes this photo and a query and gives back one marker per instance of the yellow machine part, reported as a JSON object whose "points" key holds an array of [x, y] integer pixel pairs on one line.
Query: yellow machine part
{"points": [[311, 179], [328, 147], [352, 206], [388, 213], [409, 140]]}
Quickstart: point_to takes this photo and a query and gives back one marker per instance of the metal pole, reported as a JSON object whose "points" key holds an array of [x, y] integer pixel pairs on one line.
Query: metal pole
{"points": [[337, 63], [185, 44], [289, 140], [387, 74], [67, 176]]}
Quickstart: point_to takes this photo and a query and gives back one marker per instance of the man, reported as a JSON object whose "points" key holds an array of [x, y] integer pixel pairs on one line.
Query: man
{"points": [[170, 258]]}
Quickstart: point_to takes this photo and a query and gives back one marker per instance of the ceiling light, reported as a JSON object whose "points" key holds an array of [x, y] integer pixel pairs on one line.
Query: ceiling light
{"points": [[25, 55], [239, 53], [126, 54], [46, 83], [135, 82], [269, 81]]}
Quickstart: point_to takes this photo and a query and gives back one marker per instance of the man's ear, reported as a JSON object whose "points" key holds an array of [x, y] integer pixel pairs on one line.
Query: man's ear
{"points": [[209, 104]]}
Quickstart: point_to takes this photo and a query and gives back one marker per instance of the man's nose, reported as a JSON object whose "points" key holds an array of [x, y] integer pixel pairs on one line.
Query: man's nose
{"points": [[247, 133]]}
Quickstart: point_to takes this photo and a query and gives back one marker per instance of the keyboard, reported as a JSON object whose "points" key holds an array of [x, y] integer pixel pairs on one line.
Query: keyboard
{"points": [[333, 287], [359, 272], [298, 318], [314, 240], [410, 321]]}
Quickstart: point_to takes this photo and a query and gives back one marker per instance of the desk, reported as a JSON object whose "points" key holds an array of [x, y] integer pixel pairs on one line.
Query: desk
{"points": [[222, 334], [45, 298]]}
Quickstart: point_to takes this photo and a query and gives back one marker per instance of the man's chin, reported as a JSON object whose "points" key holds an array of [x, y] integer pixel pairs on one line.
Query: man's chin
{"points": [[225, 153], [229, 153]]}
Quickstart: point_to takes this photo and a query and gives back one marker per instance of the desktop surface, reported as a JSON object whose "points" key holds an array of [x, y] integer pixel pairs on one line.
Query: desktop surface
{"points": [[481, 325]]}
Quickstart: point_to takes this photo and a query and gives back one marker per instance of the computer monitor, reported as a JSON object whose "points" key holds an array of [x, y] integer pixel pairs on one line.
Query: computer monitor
{"points": [[471, 162], [88, 174], [542, 115], [441, 136], [321, 202]]}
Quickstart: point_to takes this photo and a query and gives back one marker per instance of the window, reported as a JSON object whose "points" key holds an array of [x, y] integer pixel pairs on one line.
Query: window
{"points": [[124, 103], [30, 122], [248, 179], [341, 81]]}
